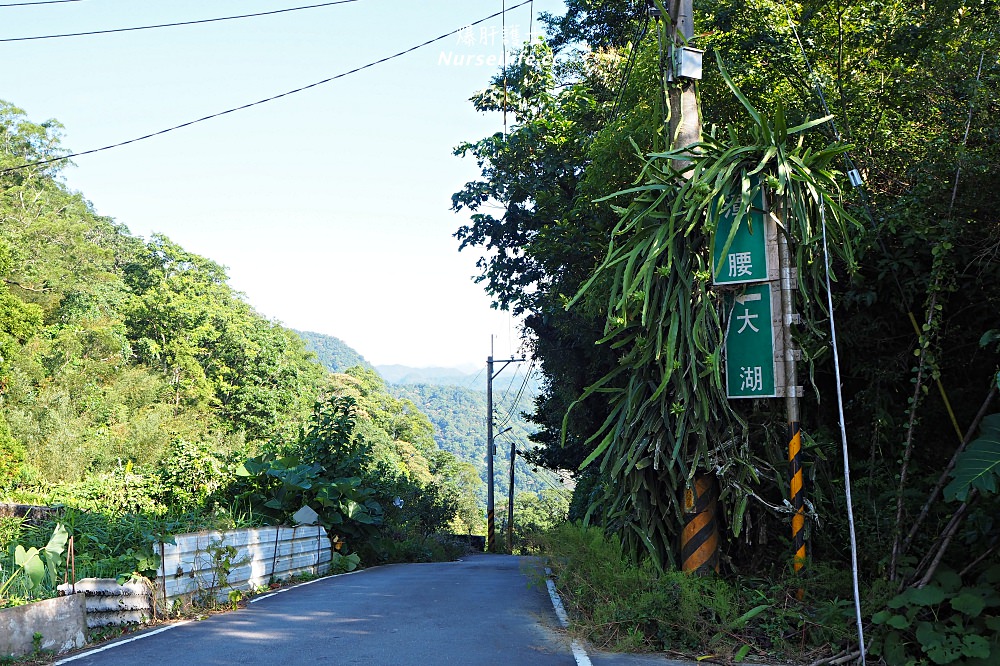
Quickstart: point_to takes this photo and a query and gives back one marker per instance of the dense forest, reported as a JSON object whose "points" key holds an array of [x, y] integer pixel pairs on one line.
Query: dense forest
{"points": [[601, 237], [143, 396]]}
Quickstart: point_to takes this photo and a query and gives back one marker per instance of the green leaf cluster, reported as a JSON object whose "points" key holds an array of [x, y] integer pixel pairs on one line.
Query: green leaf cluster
{"points": [[943, 622]]}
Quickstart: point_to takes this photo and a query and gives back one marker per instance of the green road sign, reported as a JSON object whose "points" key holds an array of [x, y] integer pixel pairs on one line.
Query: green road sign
{"points": [[747, 259], [751, 367]]}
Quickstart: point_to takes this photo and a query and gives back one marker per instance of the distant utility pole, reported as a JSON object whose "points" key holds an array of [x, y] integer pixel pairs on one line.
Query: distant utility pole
{"points": [[490, 448], [510, 500]]}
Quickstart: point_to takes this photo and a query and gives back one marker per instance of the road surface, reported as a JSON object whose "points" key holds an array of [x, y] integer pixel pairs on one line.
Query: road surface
{"points": [[484, 610]]}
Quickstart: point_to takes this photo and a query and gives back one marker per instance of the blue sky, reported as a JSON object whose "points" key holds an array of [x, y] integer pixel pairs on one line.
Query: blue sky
{"points": [[330, 207]]}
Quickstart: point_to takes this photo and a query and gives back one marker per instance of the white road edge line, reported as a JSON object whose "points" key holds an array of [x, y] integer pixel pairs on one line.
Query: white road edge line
{"points": [[180, 624], [579, 653], [117, 643]]}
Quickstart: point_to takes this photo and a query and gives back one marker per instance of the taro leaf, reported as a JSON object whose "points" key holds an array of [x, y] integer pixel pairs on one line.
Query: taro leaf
{"points": [[358, 513], [31, 563], [54, 548], [979, 465]]}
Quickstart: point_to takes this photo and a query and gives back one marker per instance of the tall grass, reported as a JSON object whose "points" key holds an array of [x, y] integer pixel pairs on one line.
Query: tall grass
{"points": [[622, 606]]}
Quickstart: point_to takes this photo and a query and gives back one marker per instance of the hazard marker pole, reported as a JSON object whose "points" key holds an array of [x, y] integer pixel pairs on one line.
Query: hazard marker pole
{"points": [[700, 537], [796, 488]]}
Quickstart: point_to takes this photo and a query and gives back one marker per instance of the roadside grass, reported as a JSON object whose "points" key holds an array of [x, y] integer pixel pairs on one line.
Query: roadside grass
{"points": [[621, 606]]}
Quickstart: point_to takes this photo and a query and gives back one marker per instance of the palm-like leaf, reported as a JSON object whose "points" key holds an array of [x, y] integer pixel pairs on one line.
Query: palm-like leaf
{"points": [[669, 412]]}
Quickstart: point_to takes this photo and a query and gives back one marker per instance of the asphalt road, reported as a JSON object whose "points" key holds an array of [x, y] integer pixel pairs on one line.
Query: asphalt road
{"points": [[484, 610]]}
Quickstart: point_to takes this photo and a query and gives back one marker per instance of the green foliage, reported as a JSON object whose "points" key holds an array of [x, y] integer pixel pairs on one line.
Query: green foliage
{"points": [[344, 563], [669, 412], [190, 472], [457, 414], [943, 622], [39, 566], [221, 560], [536, 514], [121, 493], [332, 353], [620, 605], [978, 467]]}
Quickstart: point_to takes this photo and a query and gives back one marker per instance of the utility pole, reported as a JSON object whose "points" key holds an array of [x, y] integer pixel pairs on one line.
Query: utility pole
{"points": [[681, 72], [490, 448], [681, 68], [490, 518], [788, 286]]}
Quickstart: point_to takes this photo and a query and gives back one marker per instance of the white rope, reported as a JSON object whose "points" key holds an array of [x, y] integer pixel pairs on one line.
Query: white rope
{"points": [[843, 438]]}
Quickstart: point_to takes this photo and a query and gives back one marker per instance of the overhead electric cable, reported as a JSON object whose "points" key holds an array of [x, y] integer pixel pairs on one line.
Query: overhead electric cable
{"points": [[262, 101], [640, 33], [517, 398], [178, 23], [40, 2]]}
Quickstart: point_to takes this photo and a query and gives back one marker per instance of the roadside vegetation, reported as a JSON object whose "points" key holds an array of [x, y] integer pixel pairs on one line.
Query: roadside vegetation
{"points": [[596, 239], [142, 397]]}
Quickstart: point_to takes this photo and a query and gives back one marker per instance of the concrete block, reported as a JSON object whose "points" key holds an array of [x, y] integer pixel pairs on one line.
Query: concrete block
{"points": [[62, 623]]}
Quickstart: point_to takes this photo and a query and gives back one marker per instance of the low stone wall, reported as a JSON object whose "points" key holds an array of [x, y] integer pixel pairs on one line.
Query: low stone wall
{"points": [[33, 515], [62, 623]]}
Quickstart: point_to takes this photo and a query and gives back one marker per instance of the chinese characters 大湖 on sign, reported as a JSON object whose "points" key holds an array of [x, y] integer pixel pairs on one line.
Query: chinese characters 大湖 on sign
{"points": [[752, 370]]}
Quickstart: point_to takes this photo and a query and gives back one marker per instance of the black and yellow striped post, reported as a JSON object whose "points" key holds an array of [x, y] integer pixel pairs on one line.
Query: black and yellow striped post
{"points": [[797, 496], [700, 536]]}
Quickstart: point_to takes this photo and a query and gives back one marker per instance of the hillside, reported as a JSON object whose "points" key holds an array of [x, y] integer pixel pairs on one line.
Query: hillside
{"points": [[333, 353], [455, 403], [459, 418], [121, 357]]}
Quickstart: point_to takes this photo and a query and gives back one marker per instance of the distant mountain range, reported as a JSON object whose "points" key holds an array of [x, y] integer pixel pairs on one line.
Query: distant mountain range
{"points": [[455, 401], [404, 374]]}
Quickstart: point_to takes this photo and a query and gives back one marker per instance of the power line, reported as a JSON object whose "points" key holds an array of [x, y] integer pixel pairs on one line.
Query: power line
{"points": [[265, 100], [172, 25], [640, 33], [45, 2], [41, 2], [517, 398]]}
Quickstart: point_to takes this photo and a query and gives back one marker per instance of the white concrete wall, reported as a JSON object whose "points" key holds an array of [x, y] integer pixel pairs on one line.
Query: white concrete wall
{"points": [[263, 554]]}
